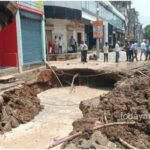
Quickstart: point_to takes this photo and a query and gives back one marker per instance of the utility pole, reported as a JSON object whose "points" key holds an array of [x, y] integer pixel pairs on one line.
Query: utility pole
{"points": [[97, 17]]}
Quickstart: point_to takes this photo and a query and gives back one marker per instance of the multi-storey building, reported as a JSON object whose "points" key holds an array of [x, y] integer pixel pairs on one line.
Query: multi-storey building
{"points": [[113, 21], [63, 19], [133, 28], [123, 7], [67, 18]]}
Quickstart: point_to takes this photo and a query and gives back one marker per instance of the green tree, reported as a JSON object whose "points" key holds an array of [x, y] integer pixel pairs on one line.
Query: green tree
{"points": [[147, 32]]}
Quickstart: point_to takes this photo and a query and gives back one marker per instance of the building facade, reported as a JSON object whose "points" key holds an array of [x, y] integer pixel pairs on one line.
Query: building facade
{"points": [[75, 18], [133, 28], [63, 20], [113, 21], [31, 30], [23, 40]]}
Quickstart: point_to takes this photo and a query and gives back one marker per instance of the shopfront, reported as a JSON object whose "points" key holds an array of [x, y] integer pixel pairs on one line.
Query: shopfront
{"points": [[31, 37], [63, 20], [31, 29]]}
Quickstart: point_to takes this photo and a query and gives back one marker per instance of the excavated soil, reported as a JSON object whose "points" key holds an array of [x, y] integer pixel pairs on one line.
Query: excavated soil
{"points": [[18, 106], [21, 105], [128, 101]]}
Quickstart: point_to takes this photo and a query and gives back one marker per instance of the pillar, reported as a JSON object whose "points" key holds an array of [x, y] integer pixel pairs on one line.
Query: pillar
{"points": [[43, 39], [19, 42], [105, 32]]}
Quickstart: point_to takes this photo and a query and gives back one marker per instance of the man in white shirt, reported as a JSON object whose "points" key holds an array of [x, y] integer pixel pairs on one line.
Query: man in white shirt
{"points": [[143, 49], [117, 50], [60, 45], [105, 49], [84, 48]]}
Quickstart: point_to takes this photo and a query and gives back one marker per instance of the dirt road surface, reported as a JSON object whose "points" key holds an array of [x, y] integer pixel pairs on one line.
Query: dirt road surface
{"points": [[55, 121]]}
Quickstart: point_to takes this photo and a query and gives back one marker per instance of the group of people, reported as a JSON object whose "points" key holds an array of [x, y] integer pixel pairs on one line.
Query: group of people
{"points": [[131, 49], [56, 46], [145, 49]]}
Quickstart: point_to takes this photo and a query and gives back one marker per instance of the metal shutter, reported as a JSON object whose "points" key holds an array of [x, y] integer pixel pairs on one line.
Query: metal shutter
{"points": [[31, 40]]}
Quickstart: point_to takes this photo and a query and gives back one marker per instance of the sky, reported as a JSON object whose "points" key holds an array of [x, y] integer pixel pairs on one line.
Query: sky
{"points": [[143, 6]]}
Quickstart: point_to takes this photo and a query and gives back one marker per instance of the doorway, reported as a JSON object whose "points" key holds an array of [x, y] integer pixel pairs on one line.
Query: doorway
{"points": [[79, 38]]}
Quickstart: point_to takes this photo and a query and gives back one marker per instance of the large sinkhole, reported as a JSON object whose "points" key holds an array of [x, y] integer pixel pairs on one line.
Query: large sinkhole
{"points": [[20, 105], [89, 77]]}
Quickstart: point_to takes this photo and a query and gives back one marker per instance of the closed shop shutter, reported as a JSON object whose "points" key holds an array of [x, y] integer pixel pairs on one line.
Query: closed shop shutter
{"points": [[31, 38]]}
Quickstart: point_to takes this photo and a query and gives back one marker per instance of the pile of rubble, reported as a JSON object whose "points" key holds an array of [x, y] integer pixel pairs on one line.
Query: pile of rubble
{"points": [[128, 102], [18, 106]]}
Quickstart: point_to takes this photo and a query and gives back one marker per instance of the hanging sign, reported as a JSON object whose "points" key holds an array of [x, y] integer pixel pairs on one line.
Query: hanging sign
{"points": [[97, 29]]}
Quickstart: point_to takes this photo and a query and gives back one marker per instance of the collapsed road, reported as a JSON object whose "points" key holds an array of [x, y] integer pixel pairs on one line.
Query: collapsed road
{"points": [[56, 112]]}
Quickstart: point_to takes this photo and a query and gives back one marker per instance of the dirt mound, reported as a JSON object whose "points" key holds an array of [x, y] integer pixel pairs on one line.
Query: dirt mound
{"points": [[45, 76], [128, 101], [18, 106]]}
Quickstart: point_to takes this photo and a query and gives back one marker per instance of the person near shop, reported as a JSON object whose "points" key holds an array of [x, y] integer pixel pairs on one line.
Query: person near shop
{"points": [[143, 50], [56, 44], [73, 44], [83, 48], [106, 51], [131, 51], [60, 45], [117, 50], [135, 51], [51, 47], [148, 52], [127, 48]]}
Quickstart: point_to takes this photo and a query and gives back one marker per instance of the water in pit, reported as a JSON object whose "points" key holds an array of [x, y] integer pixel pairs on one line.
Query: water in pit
{"points": [[55, 121]]}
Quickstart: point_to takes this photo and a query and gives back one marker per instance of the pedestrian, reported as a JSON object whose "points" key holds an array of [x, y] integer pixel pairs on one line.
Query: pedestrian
{"points": [[143, 49], [60, 45], [56, 44], [127, 48], [117, 50], [73, 44], [84, 48], [148, 52], [106, 50], [135, 51], [51, 47], [131, 51]]}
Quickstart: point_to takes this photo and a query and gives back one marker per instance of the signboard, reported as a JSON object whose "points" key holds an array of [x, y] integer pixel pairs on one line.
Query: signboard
{"points": [[32, 6], [97, 29]]}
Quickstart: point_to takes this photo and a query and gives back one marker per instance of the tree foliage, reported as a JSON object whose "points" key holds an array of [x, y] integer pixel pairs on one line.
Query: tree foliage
{"points": [[147, 32]]}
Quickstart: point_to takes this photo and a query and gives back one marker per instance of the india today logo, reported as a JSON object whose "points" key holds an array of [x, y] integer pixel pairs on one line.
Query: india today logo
{"points": [[134, 116]]}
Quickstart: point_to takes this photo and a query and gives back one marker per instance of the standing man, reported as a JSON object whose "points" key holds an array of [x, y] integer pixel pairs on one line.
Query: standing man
{"points": [[135, 51], [56, 44], [84, 48], [60, 45], [148, 52], [105, 48], [131, 51], [117, 50], [73, 44], [143, 49], [127, 48]]}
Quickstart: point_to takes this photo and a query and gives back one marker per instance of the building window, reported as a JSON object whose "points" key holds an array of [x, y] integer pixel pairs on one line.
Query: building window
{"points": [[92, 6]]}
